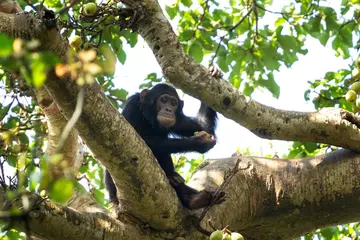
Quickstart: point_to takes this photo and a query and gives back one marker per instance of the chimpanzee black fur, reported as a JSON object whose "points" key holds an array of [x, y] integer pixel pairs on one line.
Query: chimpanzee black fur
{"points": [[155, 114]]}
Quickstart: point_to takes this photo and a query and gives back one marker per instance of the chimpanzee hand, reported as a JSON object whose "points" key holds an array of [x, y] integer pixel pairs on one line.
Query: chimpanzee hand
{"points": [[215, 72], [203, 141], [175, 179]]}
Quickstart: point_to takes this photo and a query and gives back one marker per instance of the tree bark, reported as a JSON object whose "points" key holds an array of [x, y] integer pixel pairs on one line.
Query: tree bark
{"points": [[283, 198], [266, 199], [48, 220]]}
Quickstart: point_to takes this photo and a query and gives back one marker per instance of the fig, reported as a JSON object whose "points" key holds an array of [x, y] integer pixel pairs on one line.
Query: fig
{"points": [[350, 96], [236, 236], [355, 87], [75, 42], [226, 236], [357, 103], [90, 9], [216, 235]]}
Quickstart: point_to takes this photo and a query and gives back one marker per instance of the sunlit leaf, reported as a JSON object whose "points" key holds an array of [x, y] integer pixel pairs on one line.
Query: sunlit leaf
{"points": [[62, 190], [196, 51]]}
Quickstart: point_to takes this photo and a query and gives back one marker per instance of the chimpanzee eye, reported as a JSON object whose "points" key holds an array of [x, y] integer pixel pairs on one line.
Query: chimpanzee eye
{"points": [[163, 100], [173, 102]]}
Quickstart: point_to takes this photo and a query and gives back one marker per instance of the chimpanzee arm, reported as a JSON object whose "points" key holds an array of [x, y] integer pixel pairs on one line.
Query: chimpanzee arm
{"points": [[204, 121], [207, 118], [172, 145]]}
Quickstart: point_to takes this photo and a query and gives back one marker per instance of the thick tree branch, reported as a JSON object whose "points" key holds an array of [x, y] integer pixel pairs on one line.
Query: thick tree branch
{"points": [[143, 188], [332, 126], [282, 198], [48, 220]]}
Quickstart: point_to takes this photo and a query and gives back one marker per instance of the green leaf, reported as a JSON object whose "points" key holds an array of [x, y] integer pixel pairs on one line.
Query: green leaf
{"points": [[39, 71], [121, 55], [345, 35], [324, 37], [11, 160], [287, 42], [53, 3], [279, 22], [6, 45], [83, 168], [99, 196], [270, 58], [151, 76], [172, 10], [13, 235], [186, 35], [270, 84], [110, 59], [131, 37], [196, 51], [235, 80], [62, 190], [248, 90], [313, 25], [119, 93], [330, 18], [23, 138], [310, 146], [106, 34], [187, 3], [221, 62]]}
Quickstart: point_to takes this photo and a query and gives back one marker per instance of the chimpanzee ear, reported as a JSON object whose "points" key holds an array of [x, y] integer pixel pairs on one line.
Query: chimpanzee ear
{"points": [[143, 95]]}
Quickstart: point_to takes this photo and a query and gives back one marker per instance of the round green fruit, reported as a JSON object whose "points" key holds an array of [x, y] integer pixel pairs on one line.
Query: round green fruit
{"points": [[216, 235], [355, 73], [88, 46], [357, 103], [17, 148], [356, 109], [227, 236], [357, 63], [350, 96], [90, 9], [75, 42], [355, 87], [236, 236]]}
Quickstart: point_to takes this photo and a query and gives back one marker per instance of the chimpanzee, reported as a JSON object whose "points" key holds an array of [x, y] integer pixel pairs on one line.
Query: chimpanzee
{"points": [[155, 114]]}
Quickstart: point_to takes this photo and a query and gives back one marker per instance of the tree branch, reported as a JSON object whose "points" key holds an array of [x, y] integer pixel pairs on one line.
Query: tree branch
{"points": [[63, 222], [143, 188], [326, 126], [283, 198]]}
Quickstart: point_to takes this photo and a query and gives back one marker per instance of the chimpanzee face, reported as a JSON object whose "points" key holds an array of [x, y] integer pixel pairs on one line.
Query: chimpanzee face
{"points": [[166, 106]]}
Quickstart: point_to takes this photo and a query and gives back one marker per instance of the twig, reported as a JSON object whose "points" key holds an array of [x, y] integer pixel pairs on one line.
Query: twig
{"points": [[71, 123]]}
